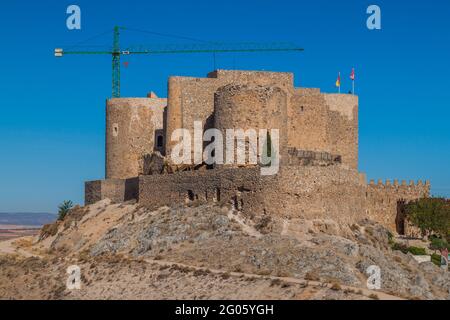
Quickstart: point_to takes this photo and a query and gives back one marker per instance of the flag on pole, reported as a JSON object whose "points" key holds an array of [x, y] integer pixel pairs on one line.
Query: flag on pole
{"points": [[352, 77], [338, 82]]}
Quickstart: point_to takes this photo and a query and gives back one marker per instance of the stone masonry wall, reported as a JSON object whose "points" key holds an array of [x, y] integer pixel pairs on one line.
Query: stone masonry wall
{"points": [[131, 128], [342, 127], [241, 187], [312, 192], [383, 199], [316, 122], [192, 99], [253, 107], [308, 121], [117, 190], [325, 122], [297, 191]]}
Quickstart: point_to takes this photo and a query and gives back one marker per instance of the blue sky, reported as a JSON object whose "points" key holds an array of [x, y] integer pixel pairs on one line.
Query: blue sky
{"points": [[52, 110]]}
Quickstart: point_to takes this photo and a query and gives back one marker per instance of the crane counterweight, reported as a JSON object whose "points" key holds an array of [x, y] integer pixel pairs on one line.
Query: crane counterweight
{"points": [[59, 52]]}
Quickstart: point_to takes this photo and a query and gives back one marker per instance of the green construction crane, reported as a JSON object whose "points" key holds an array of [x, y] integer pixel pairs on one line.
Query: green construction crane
{"points": [[208, 47]]}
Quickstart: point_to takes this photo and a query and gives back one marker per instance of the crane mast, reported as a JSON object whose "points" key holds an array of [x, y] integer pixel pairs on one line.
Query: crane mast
{"points": [[116, 64]]}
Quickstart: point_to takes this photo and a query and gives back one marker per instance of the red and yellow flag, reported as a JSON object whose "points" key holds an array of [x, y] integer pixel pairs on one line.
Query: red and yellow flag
{"points": [[338, 81]]}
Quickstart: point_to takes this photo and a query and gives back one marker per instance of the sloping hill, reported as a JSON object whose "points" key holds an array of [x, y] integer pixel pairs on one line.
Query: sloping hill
{"points": [[126, 251]]}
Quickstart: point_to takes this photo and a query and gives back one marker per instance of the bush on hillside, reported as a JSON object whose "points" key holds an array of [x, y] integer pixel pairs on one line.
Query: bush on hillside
{"points": [[431, 216], [417, 251], [438, 243], [64, 208]]}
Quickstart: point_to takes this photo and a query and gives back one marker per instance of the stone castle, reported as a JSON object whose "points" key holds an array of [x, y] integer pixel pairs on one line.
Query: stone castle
{"points": [[318, 175]]}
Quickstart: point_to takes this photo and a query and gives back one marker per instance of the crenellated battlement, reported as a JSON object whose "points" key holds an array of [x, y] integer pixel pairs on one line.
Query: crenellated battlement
{"points": [[398, 183], [383, 198]]}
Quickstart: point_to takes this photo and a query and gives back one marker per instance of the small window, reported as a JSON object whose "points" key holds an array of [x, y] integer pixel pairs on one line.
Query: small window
{"points": [[115, 130], [159, 141]]}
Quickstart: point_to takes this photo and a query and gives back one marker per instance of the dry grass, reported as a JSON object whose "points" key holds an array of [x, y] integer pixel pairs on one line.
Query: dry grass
{"points": [[275, 282], [374, 296], [49, 230], [312, 276], [23, 242], [336, 286], [263, 272]]}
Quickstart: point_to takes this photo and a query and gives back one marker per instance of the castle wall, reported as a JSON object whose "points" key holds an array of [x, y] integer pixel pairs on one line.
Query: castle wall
{"points": [[308, 121], [383, 199], [284, 80], [310, 192], [325, 122], [190, 100], [242, 187], [328, 191], [117, 190], [297, 191], [132, 125], [342, 127]]}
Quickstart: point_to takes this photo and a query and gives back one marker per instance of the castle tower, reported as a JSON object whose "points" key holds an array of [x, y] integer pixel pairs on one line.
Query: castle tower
{"points": [[134, 128], [251, 106], [343, 127]]}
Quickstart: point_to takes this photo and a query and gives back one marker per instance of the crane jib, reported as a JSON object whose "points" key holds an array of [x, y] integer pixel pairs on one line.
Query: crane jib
{"points": [[206, 47]]}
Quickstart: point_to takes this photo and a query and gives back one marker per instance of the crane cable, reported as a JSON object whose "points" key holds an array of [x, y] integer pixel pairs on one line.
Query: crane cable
{"points": [[165, 35], [79, 44]]}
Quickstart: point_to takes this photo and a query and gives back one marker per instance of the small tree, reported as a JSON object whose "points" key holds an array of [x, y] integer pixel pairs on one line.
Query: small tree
{"points": [[268, 153], [430, 215], [64, 208], [438, 244]]}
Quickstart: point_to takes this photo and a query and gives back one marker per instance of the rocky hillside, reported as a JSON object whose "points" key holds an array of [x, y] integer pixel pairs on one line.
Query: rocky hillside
{"points": [[204, 252]]}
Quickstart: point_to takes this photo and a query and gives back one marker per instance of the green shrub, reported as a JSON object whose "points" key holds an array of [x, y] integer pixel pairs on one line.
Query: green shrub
{"points": [[436, 259], [405, 249], [390, 237], [417, 251], [430, 215], [400, 247], [438, 243], [64, 208]]}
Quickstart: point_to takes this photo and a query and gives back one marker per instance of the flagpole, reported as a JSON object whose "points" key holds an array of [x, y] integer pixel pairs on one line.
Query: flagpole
{"points": [[339, 87], [352, 76]]}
